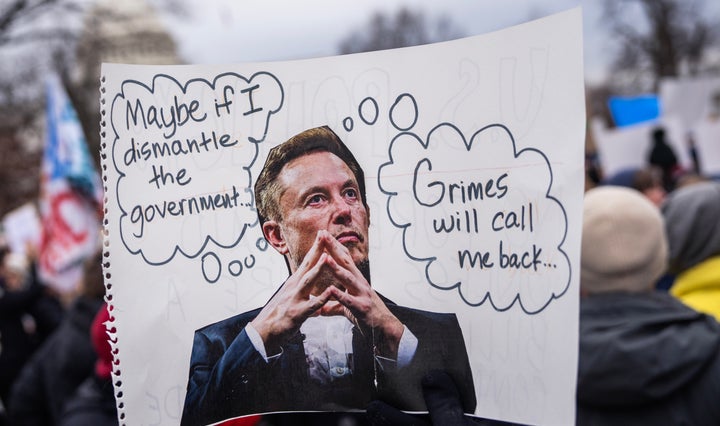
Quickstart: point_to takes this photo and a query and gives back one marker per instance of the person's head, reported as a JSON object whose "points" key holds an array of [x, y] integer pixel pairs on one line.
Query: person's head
{"points": [[658, 135], [14, 270], [646, 180], [649, 182], [692, 221], [309, 183], [624, 247]]}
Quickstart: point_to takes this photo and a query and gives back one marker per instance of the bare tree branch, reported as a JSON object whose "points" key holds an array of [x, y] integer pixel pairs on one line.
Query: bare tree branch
{"points": [[51, 34], [677, 36], [18, 17], [402, 29]]}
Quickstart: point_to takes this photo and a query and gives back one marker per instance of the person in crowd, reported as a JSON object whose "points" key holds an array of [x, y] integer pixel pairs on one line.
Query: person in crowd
{"points": [[64, 360], [662, 156], [646, 180], [694, 154], [93, 402], [593, 170], [650, 184], [28, 314], [692, 221], [326, 340], [690, 178], [644, 357]]}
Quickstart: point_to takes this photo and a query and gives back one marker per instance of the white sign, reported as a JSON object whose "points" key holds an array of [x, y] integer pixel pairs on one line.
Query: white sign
{"points": [[22, 227], [629, 147], [706, 135], [692, 100], [472, 153]]}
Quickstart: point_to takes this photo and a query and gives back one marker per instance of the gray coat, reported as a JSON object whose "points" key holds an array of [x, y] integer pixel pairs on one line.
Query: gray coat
{"points": [[647, 359]]}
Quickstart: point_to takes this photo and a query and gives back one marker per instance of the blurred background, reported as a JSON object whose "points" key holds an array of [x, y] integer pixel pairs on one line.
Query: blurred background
{"points": [[652, 74], [647, 62]]}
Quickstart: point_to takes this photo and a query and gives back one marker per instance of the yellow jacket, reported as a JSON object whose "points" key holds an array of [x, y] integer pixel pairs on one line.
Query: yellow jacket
{"points": [[699, 287]]}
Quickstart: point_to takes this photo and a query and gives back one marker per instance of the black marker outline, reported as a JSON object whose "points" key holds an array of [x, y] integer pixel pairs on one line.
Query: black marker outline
{"points": [[254, 141], [395, 104], [376, 110], [219, 265], [468, 145]]}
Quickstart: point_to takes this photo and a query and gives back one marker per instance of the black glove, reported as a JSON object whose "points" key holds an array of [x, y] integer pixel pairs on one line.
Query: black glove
{"points": [[442, 401]]}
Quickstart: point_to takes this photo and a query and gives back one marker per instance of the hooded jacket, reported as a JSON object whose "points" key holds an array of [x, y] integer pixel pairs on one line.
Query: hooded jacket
{"points": [[699, 287], [646, 359], [691, 220]]}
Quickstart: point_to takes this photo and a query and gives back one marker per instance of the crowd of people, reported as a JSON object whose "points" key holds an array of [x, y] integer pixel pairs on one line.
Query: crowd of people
{"points": [[650, 295], [648, 356], [649, 338], [55, 356]]}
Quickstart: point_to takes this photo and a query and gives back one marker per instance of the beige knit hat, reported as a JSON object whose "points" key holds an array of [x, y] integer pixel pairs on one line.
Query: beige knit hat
{"points": [[624, 246]]}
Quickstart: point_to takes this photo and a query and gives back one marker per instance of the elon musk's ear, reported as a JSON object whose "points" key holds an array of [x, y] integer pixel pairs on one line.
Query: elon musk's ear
{"points": [[273, 234]]}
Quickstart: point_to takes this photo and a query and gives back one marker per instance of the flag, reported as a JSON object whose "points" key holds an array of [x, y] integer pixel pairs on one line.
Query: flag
{"points": [[627, 111], [70, 194]]}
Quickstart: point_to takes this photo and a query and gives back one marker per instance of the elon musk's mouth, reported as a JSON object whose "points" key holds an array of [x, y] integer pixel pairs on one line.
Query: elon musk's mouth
{"points": [[349, 237]]}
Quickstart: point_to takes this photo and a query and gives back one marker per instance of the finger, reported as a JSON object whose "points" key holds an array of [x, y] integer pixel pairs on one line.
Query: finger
{"points": [[382, 414], [344, 298], [314, 304], [332, 308], [354, 309], [442, 399], [313, 255], [301, 280], [338, 252], [336, 309], [307, 278], [351, 279]]}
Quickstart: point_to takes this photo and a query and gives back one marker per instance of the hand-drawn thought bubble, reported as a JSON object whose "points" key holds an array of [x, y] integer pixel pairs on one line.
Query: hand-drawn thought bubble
{"points": [[174, 145], [479, 214]]}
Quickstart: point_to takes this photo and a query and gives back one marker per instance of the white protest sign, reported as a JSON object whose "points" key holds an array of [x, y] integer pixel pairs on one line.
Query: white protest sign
{"points": [[473, 171], [706, 135], [22, 227], [165, 144], [692, 100], [629, 147]]}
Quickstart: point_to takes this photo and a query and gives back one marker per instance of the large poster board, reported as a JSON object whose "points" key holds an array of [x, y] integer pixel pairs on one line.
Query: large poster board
{"points": [[472, 153]]}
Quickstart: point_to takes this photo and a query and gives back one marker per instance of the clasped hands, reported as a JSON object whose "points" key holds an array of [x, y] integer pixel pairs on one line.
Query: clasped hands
{"points": [[328, 269]]}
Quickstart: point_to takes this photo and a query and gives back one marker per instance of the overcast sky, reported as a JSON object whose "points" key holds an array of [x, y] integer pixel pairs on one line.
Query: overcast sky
{"points": [[231, 31]]}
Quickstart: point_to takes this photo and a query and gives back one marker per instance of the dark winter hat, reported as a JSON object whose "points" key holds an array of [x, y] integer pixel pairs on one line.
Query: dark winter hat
{"points": [[624, 247], [692, 222], [101, 343]]}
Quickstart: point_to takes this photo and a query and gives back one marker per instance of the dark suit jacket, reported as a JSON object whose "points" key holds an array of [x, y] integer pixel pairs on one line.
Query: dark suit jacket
{"points": [[229, 378]]}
